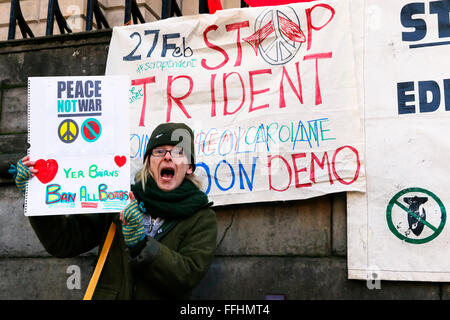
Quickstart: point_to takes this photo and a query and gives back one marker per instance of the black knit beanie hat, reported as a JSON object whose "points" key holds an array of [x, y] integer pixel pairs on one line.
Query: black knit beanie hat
{"points": [[173, 134]]}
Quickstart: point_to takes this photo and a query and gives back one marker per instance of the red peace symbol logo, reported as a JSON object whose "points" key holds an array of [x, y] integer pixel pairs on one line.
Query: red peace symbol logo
{"points": [[277, 36]]}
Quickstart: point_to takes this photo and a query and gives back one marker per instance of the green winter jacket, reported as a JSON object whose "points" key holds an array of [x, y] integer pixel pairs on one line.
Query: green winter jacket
{"points": [[166, 267]]}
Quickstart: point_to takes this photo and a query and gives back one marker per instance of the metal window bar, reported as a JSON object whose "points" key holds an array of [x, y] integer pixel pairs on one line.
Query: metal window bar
{"points": [[170, 8], [55, 12], [132, 11], [16, 15], [94, 9], [203, 6]]}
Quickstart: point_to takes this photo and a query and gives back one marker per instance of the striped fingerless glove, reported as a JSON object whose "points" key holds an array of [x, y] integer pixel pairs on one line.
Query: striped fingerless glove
{"points": [[21, 174], [133, 231]]}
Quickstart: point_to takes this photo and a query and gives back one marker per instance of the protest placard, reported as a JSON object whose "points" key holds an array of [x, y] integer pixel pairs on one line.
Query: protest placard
{"points": [[78, 131], [398, 230]]}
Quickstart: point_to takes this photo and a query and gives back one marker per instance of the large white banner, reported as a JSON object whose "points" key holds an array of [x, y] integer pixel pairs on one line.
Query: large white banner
{"points": [[270, 93], [398, 230]]}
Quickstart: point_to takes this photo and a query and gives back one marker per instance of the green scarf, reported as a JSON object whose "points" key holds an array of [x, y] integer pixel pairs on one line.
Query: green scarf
{"points": [[179, 203]]}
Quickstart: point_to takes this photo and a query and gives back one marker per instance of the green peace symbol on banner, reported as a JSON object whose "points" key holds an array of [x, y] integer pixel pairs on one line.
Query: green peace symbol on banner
{"points": [[415, 216]]}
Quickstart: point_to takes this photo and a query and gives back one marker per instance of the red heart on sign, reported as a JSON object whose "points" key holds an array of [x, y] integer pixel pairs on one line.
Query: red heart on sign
{"points": [[120, 160], [47, 170]]}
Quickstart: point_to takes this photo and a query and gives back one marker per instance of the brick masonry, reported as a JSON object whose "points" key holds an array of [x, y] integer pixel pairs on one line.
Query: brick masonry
{"points": [[296, 248]]}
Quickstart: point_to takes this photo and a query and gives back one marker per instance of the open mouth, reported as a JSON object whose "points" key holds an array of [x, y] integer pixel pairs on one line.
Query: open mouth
{"points": [[167, 173]]}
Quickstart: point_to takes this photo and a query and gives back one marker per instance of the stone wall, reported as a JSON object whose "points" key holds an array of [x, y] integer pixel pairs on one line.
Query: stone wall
{"points": [[295, 249]]}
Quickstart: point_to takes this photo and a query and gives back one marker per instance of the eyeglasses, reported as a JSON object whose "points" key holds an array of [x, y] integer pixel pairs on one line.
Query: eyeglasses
{"points": [[175, 152]]}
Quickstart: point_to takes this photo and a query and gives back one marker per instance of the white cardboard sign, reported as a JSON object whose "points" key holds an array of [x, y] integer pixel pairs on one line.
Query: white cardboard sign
{"points": [[78, 130], [398, 230]]}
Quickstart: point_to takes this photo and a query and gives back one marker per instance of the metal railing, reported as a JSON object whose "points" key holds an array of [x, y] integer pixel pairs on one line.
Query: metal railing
{"points": [[94, 9], [16, 15], [132, 13], [55, 12]]}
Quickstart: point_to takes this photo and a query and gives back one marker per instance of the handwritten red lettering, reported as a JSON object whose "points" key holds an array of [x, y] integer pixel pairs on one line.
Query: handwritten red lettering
{"points": [[213, 95], [269, 160], [321, 164], [225, 93], [237, 26], [254, 92], [296, 156], [318, 56], [213, 46], [170, 81], [309, 21], [297, 93], [332, 170], [358, 165]]}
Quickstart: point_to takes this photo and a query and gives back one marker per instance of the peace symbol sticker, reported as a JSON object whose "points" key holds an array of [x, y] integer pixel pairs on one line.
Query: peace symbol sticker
{"points": [[91, 129], [416, 215], [68, 131]]}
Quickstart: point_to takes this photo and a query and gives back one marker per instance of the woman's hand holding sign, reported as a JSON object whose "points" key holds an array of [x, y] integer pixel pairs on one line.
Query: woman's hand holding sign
{"points": [[132, 227], [23, 171]]}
